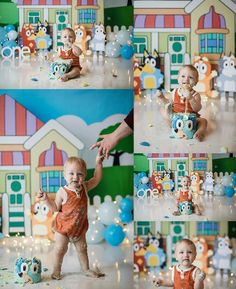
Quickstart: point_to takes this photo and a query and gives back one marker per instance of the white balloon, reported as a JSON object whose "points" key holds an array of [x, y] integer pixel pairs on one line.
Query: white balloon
{"points": [[111, 37], [219, 190], [95, 232], [108, 213], [227, 181], [129, 230], [123, 36], [12, 35], [92, 214]]}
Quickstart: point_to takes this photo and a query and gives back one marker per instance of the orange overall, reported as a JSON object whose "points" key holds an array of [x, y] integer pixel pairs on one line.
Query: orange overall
{"points": [[183, 279], [72, 220], [70, 55], [184, 197], [179, 104]]}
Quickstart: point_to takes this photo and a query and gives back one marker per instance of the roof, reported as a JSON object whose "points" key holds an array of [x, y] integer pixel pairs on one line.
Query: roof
{"points": [[212, 22], [16, 120], [87, 3], [53, 125], [52, 157], [162, 21], [167, 155], [192, 5], [43, 2], [199, 156], [10, 158]]}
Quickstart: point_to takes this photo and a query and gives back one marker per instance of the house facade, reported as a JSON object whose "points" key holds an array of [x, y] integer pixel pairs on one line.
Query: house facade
{"points": [[60, 14], [179, 30]]}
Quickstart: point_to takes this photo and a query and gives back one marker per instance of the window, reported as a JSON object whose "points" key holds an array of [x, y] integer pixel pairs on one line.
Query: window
{"points": [[61, 20], [140, 43], [51, 181], [143, 228], [212, 43], [87, 16], [160, 167], [200, 165], [208, 228], [33, 17]]}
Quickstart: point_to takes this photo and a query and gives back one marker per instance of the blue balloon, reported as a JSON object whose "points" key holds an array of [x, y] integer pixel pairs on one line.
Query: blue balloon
{"points": [[234, 179], [10, 44], [126, 217], [126, 205], [127, 51], [229, 191], [3, 35], [9, 27], [114, 235]]}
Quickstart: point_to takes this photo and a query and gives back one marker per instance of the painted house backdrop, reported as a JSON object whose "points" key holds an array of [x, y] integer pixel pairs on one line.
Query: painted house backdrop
{"points": [[32, 154]]}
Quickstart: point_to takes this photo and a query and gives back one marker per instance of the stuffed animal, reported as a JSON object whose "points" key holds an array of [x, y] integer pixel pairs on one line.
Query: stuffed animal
{"points": [[205, 74], [155, 257], [139, 253], [151, 76], [184, 125], [28, 37], [42, 220], [226, 81], [59, 67], [82, 38], [208, 184], [42, 37], [195, 182], [167, 182], [156, 180], [222, 255], [28, 270], [97, 43], [203, 255]]}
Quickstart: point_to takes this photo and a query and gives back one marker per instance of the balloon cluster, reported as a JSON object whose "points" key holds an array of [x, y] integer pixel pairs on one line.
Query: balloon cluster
{"points": [[8, 36], [226, 186], [120, 44], [104, 223]]}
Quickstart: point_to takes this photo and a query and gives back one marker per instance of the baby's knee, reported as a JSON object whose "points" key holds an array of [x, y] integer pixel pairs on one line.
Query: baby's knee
{"points": [[61, 249], [81, 247]]}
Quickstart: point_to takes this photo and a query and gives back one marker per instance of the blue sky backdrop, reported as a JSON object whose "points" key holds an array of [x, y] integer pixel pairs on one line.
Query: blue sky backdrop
{"points": [[91, 105]]}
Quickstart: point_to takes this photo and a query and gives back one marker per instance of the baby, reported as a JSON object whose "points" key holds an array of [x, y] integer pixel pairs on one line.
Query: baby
{"points": [[70, 51], [185, 195], [185, 100], [71, 222], [184, 275]]}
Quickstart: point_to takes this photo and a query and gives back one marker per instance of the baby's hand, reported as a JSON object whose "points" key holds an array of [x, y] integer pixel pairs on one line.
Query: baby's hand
{"points": [[41, 195], [100, 157]]}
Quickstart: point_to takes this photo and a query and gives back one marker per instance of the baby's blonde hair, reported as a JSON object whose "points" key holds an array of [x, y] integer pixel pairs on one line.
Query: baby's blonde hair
{"points": [[192, 68], [70, 30], [80, 162], [186, 241]]}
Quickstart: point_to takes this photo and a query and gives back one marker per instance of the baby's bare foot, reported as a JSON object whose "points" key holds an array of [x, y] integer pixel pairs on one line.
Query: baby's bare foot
{"points": [[176, 213], [56, 275], [200, 134], [93, 274], [64, 78]]}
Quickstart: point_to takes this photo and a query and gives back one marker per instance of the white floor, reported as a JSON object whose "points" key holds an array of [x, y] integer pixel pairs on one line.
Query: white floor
{"points": [[30, 74], [211, 282], [212, 208], [115, 262], [150, 127]]}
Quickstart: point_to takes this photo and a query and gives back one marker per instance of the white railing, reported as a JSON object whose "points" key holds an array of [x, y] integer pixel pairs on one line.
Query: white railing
{"points": [[97, 200]]}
